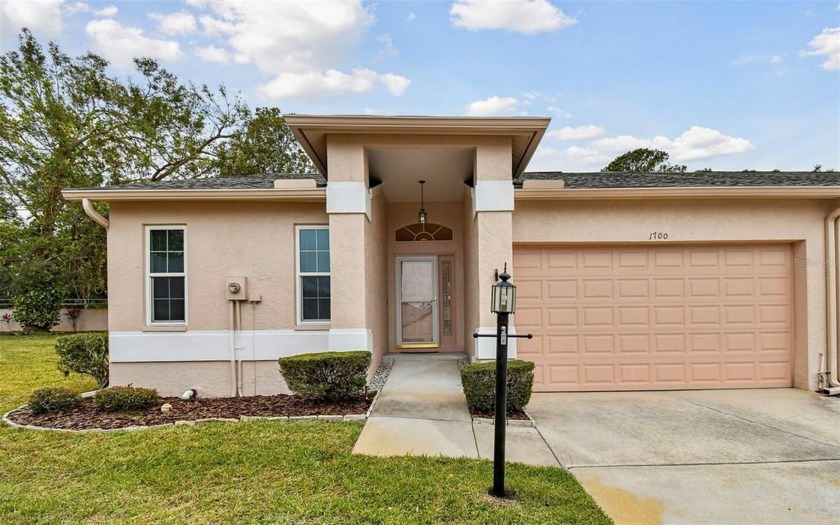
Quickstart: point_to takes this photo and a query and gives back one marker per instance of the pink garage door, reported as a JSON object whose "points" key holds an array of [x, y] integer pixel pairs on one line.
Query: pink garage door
{"points": [[656, 318]]}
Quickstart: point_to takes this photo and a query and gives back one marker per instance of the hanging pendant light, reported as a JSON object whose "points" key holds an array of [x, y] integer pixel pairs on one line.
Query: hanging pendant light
{"points": [[421, 215]]}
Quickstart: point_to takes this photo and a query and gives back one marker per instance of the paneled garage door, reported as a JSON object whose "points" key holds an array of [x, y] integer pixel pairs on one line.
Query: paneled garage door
{"points": [[656, 318]]}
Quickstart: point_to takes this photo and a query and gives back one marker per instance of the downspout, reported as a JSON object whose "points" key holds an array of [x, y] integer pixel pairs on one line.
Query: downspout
{"points": [[95, 215], [239, 331], [232, 326], [828, 382]]}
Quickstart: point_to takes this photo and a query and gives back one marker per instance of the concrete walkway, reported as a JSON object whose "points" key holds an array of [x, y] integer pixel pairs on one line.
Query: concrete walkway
{"points": [[422, 411]]}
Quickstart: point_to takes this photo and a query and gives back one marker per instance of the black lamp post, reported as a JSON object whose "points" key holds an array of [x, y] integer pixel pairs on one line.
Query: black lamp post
{"points": [[503, 304]]}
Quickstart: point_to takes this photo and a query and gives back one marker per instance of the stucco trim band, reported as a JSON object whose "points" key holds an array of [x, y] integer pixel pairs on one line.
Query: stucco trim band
{"points": [[214, 345], [493, 195]]}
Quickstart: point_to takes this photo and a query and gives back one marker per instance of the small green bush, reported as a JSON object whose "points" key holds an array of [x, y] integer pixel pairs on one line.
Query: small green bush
{"points": [[84, 354], [119, 398], [479, 382], [326, 375], [53, 399], [38, 310]]}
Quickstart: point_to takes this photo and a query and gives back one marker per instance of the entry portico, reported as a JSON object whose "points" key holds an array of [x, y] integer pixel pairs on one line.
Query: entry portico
{"points": [[399, 284]]}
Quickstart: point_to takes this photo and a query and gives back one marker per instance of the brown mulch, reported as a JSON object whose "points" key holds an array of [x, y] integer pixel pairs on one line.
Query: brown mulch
{"points": [[87, 416], [511, 414]]}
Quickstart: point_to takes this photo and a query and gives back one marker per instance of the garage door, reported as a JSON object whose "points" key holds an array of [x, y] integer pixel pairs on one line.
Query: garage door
{"points": [[656, 318]]}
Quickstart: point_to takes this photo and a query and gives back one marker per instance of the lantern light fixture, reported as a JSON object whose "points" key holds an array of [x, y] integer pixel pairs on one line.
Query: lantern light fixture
{"points": [[421, 215], [504, 295]]}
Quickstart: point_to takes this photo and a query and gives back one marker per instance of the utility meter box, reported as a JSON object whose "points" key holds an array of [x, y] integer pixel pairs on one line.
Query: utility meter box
{"points": [[236, 288]]}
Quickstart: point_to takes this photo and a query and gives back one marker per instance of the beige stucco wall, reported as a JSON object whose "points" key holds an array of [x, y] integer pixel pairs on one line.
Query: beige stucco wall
{"points": [[224, 239], [376, 262], [798, 222]]}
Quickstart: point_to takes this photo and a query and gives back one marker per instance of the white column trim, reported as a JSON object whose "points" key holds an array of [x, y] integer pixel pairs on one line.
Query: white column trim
{"points": [[493, 195], [348, 197], [485, 347]]}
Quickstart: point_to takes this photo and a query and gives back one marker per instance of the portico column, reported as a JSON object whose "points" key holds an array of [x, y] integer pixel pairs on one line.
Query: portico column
{"points": [[348, 207], [493, 223]]}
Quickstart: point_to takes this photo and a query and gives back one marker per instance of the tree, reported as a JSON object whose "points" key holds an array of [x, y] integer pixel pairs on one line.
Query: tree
{"points": [[64, 122], [643, 160], [264, 145]]}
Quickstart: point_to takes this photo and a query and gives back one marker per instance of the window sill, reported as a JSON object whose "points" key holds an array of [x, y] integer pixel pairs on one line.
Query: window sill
{"points": [[165, 328], [312, 327]]}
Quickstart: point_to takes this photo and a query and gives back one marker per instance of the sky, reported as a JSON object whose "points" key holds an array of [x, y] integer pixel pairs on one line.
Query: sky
{"points": [[726, 85]]}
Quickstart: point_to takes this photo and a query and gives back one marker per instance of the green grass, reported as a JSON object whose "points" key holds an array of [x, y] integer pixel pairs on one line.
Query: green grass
{"points": [[256, 472]]}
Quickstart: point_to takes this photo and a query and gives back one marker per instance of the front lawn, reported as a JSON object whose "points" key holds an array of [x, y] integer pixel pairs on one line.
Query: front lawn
{"points": [[263, 471]]}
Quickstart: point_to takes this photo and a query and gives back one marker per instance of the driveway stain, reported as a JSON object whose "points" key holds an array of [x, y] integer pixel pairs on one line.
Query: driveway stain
{"points": [[623, 506]]}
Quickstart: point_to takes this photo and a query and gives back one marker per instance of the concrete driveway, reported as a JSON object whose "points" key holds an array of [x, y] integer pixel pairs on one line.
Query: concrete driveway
{"points": [[736, 456]]}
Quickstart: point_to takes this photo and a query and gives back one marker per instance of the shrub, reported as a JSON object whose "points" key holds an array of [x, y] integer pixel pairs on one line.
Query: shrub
{"points": [[38, 309], [326, 375], [120, 398], [53, 399], [479, 382], [84, 354]]}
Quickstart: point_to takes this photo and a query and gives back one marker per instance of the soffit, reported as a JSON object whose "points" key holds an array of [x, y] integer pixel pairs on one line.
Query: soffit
{"points": [[312, 131]]}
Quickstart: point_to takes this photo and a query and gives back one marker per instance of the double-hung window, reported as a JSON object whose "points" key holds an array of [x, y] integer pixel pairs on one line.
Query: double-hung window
{"points": [[313, 274], [167, 275]]}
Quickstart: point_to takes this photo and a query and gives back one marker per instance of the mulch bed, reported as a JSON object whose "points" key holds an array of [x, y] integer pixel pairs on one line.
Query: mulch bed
{"points": [[87, 416], [511, 414]]}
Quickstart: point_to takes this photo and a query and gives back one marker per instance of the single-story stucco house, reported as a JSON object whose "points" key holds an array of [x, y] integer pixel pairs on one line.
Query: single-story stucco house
{"points": [[627, 281]]}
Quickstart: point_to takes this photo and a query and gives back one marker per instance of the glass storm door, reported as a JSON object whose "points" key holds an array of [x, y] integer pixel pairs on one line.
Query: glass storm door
{"points": [[417, 302]]}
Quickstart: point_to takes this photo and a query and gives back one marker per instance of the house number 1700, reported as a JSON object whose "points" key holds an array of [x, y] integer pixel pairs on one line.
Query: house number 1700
{"points": [[658, 236]]}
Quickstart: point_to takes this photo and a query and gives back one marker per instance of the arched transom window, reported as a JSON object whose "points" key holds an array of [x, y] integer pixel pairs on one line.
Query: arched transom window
{"points": [[423, 232]]}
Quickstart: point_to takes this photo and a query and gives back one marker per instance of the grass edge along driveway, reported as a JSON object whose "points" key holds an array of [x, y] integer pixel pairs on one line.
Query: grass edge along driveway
{"points": [[261, 471]]}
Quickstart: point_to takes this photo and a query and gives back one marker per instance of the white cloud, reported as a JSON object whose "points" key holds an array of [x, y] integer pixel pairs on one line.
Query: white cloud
{"points": [[121, 44], [332, 82], [396, 84], [40, 16], [214, 54], [574, 158], [560, 112], [106, 12], [522, 16], [776, 59], [696, 143], [589, 132], [76, 7], [742, 61], [388, 47], [302, 43], [826, 44], [492, 106], [178, 23], [411, 16]]}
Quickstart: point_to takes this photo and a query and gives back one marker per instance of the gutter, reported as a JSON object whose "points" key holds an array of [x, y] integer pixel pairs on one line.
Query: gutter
{"points": [[256, 194], [689, 192], [95, 215]]}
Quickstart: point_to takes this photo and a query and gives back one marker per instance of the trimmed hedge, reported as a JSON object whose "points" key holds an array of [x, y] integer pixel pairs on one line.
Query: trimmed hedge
{"points": [[119, 398], [479, 382], [326, 375], [84, 354], [53, 399]]}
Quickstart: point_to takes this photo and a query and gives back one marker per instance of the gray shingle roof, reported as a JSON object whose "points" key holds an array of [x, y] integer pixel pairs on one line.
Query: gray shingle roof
{"points": [[702, 178], [219, 183]]}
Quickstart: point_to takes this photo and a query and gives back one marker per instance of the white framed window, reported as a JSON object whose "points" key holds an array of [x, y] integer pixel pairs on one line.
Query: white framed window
{"points": [[312, 246], [166, 275]]}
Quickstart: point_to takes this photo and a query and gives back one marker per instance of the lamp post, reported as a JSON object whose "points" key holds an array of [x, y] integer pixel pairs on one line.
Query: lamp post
{"points": [[503, 305]]}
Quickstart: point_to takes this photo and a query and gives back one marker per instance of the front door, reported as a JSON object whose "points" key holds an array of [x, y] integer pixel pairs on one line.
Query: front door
{"points": [[417, 302]]}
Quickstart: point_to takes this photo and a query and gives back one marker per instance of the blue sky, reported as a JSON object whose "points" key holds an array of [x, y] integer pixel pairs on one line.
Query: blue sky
{"points": [[726, 85]]}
